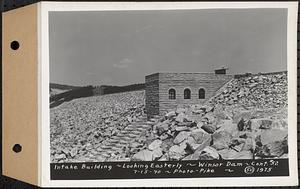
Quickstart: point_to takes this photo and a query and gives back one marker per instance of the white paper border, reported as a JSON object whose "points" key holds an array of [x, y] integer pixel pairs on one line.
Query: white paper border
{"points": [[44, 120]]}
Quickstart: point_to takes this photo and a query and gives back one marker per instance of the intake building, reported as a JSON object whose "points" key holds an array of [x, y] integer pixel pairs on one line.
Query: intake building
{"points": [[167, 91]]}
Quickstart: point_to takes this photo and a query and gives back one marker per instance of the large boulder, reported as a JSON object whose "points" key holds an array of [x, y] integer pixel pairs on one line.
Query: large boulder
{"points": [[155, 144], [199, 135], [221, 139], [192, 144], [157, 153], [198, 140], [181, 118], [167, 144], [144, 155], [273, 149], [272, 143], [177, 152], [183, 135], [278, 148], [272, 135], [209, 128], [208, 153]]}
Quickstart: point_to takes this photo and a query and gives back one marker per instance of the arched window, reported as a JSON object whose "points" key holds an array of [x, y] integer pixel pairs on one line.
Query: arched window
{"points": [[172, 94], [187, 94], [201, 93]]}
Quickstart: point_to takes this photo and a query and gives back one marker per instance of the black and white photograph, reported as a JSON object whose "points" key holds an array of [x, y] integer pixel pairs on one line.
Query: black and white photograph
{"points": [[169, 86], [150, 94]]}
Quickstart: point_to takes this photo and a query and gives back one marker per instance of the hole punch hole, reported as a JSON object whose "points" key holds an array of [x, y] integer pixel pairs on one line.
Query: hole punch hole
{"points": [[17, 148], [14, 45]]}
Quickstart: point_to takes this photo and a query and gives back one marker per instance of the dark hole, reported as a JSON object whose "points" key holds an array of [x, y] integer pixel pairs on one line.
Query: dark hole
{"points": [[14, 45], [17, 148]]}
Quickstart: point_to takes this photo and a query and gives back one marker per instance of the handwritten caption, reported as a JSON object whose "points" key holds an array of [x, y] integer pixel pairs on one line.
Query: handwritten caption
{"points": [[177, 168]]}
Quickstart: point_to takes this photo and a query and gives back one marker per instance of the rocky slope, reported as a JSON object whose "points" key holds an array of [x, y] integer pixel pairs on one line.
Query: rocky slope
{"points": [[247, 119], [260, 91], [79, 127]]}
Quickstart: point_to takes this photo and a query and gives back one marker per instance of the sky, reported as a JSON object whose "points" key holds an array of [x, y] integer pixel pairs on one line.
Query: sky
{"points": [[122, 47]]}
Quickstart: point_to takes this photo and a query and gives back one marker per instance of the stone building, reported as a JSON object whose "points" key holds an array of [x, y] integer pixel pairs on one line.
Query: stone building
{"points": [[167, 91]]}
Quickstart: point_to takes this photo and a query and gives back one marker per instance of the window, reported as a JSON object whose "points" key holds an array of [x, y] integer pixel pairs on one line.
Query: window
{"points": [[172, 94], [187, 94], [201, 93]]}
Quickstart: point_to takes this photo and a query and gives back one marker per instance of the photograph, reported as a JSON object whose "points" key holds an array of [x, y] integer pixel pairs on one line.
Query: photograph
{"points": [[151, 94], [168, 85]]}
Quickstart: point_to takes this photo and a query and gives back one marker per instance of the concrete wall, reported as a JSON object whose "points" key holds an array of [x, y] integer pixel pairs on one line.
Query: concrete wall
{"points": [[152, 94], [158, 85]]}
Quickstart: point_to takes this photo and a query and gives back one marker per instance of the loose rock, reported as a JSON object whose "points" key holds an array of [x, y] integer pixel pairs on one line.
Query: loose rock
{"points": [[209, 128], [155, 144], [183, 135], [221, 139], [144, 155], [208, 153]]}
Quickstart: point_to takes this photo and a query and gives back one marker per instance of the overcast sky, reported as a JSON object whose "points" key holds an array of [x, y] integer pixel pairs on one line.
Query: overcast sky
{"points": [[121, 47]]}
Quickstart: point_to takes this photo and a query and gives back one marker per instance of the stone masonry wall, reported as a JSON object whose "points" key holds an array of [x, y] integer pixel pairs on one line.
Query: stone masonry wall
{"points": [[210, 82], [152, 94]]}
